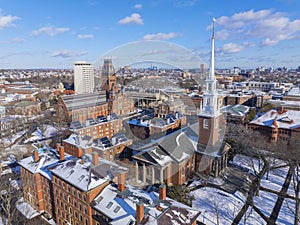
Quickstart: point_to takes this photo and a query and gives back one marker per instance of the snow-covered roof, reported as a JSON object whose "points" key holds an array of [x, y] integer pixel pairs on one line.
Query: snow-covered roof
{"points": [[294, 92], [26, 209], [47, 158], [175, 147], [98, 143], [121, 207], [82, 174], [288, 119], [236, 110]]}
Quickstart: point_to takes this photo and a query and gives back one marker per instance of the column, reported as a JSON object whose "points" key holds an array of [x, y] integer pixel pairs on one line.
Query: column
{"points": [[152, 175], [161, 176], [144, 173], [136, 171]]}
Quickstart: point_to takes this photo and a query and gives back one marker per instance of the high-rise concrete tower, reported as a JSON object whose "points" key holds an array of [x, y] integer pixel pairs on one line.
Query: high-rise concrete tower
{"points": [[83, 77]]}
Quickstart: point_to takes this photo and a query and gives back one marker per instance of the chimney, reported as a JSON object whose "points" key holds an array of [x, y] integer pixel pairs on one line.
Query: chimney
{"points": [[95, 159], [162, 192], [280, 109], [62, 153], [36, 156], [140, 211], [79, 152], [57, 146], [121, 182]]}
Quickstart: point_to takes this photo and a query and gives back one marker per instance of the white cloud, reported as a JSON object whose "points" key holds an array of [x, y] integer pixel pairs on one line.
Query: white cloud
{"points": [[161, 36], [134, 18], [185, 3], [67, 53], [85, 36], [265, 26], [7, 20], [13, 40], [50, 31], [138, 6], [222, 35], [231, 48]]}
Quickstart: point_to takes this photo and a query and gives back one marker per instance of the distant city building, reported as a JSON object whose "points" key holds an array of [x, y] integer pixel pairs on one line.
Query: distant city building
{"points": [[83, 77], [293, 94], [262, 86], [203, 68]]}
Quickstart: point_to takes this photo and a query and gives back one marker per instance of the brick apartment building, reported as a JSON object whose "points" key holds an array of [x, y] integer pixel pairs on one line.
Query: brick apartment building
{"points": [[92, 191], [102, 126], [278, 125], [107, 148]]}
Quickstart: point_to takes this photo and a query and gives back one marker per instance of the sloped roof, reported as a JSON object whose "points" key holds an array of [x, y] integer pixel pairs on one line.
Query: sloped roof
{"points": [[47, 159], [178, 146], [288, 119], [121, 207], [81, 173]]}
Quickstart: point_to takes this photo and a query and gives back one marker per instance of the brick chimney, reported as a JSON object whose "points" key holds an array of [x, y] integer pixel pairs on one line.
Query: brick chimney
{"points": [[36, 156], [95, 159], [121, 182], [79, 152], [62, 153], [281, 109], [140, 212], [57, 146], [162, 192]]}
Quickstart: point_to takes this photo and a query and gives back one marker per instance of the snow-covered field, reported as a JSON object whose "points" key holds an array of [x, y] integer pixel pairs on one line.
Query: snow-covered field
{"points": [[214, 203]]}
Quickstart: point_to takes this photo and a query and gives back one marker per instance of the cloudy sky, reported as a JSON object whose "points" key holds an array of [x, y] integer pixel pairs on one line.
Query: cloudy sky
{"points": [[56, 33]]}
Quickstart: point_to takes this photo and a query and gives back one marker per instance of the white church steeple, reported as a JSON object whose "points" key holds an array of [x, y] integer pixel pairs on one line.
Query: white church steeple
{"points": [[210, 106]]}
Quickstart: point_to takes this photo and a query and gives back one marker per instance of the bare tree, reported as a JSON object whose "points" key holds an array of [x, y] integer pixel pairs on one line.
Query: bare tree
{"points": [[8, 197]]}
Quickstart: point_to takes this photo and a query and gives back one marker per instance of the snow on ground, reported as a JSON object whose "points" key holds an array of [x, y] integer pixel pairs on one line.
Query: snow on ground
{"points": [[272, 180], [212, 201], [38, 134]]}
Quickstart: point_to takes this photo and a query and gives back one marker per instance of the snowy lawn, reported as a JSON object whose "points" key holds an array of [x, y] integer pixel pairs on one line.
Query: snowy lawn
{"points": [[214, 203]]}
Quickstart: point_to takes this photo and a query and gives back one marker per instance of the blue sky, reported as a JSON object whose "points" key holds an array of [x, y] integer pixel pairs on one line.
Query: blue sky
{"points": [[56, 33]]}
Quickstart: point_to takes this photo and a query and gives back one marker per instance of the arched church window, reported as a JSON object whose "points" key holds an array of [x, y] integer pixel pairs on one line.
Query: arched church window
{"points": [[205, 123]]}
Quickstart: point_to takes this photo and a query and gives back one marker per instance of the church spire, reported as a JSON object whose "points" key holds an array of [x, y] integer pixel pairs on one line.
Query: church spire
{"points": [[210, 105], [212, 60]]}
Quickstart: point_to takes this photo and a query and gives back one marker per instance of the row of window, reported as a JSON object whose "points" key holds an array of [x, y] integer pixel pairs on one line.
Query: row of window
{"points": [[68, 188]]}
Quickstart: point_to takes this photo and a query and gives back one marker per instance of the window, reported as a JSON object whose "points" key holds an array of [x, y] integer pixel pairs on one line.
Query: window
{"points": [[109, 205], [205, 123], [116, 210]]}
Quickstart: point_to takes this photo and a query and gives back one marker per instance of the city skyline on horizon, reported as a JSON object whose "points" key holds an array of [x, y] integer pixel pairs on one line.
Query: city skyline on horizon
{"points": [[248, 34]]}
